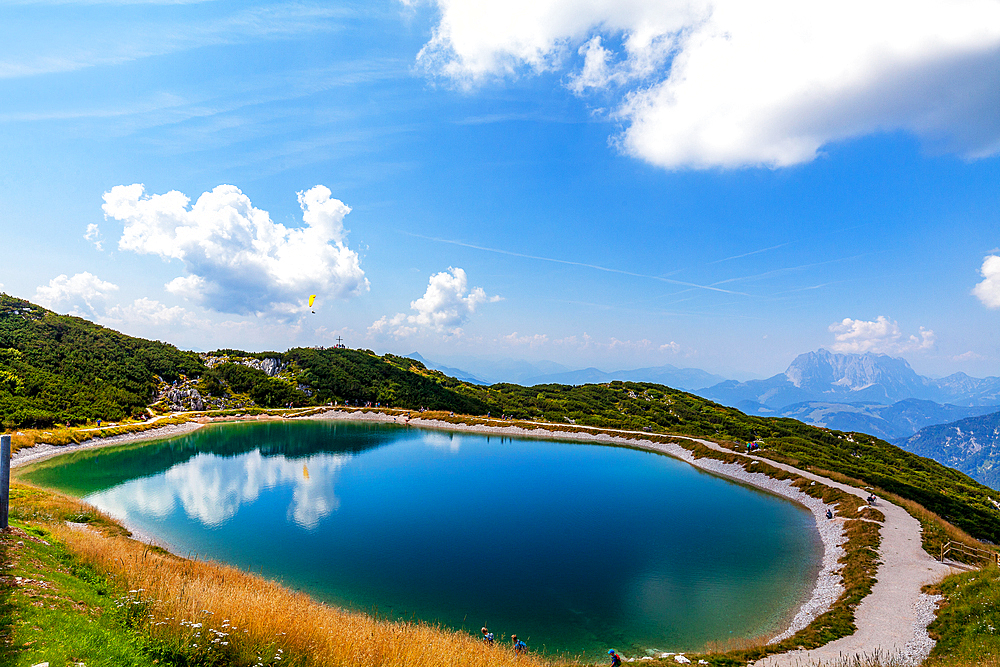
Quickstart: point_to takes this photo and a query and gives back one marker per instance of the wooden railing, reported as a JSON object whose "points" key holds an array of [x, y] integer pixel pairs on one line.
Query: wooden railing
{"points": [[983, 555]]}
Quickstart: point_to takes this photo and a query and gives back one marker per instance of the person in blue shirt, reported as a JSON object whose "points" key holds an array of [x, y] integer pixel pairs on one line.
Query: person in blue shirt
{"points": [[519, 646], [487, 636], [616, 660]]}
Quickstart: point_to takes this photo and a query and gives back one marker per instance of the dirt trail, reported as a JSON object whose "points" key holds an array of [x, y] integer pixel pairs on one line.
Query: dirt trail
{"points": [[892, 620]]}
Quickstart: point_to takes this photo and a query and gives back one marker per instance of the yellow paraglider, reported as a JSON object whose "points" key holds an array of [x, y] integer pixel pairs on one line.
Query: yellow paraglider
{"points": [[305, 472], [312, 298]]}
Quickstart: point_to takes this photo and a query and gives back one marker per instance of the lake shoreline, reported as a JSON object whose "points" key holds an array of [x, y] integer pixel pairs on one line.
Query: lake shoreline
{"points": [[829, 584], [826, 590]]}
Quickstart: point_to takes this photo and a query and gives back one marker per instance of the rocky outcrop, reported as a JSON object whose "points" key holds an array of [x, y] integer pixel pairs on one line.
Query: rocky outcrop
{"points": [[271, 365], [183, 399]]}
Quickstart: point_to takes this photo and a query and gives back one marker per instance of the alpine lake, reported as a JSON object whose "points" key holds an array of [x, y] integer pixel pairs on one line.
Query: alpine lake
{"points": [[576, 548]]}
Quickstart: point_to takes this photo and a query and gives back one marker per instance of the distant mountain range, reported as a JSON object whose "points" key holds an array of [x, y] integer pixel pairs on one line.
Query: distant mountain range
{"points": [[823, 376], [548, 372], [889, 422], [491, 370], [679, 378], [971, 445], [868, 393], [456, 373]]}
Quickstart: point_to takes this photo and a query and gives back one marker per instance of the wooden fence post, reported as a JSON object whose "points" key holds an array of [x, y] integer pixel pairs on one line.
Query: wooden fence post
{"points": [[4, 480]]}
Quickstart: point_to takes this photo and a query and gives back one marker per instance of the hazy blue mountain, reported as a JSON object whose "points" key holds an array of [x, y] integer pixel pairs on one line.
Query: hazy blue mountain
{"points": [[824, 376], [456, 373], [678, 378], [889, 422], [970, 445], [492, 370], [960, 388]]}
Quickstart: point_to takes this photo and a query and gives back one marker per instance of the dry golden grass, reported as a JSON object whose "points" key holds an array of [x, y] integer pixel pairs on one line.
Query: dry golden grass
{"points": [[231, 617], [63, 435], [29, 503], [734, 644]]}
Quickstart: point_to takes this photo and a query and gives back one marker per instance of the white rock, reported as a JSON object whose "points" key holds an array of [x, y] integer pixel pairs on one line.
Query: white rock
{"points": [[681, 659]]}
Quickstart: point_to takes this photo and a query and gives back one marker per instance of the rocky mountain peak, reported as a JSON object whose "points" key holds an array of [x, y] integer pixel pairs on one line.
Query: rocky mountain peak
{"points": [[823, 368]]}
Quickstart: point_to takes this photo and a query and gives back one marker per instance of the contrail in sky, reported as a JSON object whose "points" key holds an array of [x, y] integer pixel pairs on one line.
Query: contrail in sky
{"points": [[789, 269], [583, 264], [747, 254]]}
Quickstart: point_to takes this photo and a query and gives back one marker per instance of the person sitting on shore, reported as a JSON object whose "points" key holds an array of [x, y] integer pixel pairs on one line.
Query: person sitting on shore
{"points": [[829, 514], [519, 646], [487, 636], [616, 660]]}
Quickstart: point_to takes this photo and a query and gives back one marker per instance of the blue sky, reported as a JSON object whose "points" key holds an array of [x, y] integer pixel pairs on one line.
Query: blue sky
{"points": [[611, 184]]}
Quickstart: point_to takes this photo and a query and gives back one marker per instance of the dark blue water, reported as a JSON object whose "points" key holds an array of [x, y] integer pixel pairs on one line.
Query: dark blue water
{"points": [[576, 547]]}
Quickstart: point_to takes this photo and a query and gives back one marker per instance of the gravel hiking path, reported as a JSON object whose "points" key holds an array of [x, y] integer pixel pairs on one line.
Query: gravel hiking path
{"points": [[892, 621]]}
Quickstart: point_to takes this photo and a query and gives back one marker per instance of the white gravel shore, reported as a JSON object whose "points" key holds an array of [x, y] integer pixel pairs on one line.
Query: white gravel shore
{"points": [[42, 451]]}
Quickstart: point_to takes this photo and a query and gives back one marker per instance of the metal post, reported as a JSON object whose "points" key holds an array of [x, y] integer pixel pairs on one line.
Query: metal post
{"points": [[4, 480]]}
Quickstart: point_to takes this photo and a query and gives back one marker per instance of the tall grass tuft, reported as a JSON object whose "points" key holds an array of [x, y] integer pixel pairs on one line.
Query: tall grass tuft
{"points": [[211, 614]]}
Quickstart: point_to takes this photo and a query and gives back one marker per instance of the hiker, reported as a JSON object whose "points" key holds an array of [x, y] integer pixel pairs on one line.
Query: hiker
{"points": [[519, 646], [487, 636], [829, 514], [871, 499], [616, 660]]}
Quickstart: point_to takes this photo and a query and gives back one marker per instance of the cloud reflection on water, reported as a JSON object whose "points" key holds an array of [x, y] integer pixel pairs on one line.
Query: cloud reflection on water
{"points": [[211, 488], [448, 441]]}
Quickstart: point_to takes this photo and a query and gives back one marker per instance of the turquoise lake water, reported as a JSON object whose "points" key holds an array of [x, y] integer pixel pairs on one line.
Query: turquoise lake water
{"points": [[577, 548]]}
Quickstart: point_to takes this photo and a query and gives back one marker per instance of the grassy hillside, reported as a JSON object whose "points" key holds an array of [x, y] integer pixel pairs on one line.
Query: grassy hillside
{"points": [[358, 376], [57, 368]]}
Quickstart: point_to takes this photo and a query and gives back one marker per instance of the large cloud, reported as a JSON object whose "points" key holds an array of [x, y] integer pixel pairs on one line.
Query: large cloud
{"points": [[732, 83], [988, 291], [880, 335], [83, 295], [236, 258], [444, 308], [86, 295]]}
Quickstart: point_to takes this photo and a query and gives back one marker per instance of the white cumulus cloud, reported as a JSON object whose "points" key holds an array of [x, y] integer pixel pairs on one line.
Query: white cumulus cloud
{"points": [[83, 295], [93, 234], [237, 260], [444, 308], [532, 341], [880, 335], [988, 291], [730, 83], [148, 312]]}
